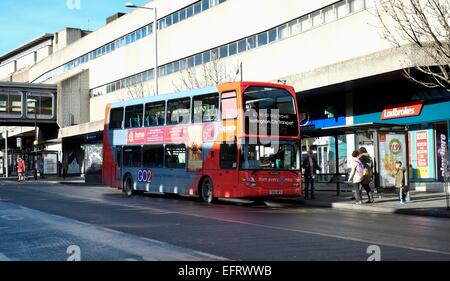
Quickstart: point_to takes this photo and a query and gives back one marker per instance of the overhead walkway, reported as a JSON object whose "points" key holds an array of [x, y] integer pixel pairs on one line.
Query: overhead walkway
{"points": [[24, 104]]}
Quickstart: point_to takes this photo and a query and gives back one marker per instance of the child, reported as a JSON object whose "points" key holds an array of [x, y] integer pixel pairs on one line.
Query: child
{"points": [[400, 181]]}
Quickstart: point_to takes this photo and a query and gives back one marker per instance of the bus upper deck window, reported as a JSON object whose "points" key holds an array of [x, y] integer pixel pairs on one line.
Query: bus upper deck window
{"points": [[229, 106]]}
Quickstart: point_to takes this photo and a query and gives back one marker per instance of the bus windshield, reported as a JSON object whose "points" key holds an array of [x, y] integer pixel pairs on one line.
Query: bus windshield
{"points": [[277, 155], [270, 111]]}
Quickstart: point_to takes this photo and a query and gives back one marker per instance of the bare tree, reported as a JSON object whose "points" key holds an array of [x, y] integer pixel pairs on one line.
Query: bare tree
{"points": [[425, 25], [135, 91], [210, 74]]}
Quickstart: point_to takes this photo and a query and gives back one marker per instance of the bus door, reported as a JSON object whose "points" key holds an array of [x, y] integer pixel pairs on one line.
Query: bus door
{"points": [[118, 166]]}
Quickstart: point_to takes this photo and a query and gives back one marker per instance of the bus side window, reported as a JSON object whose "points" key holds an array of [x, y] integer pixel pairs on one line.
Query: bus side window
{"points": [[133, 116], [178, 111], [228, 156], [155, 114], [176, 156], [116, 118], [206, 108], [132, 156], [229, 106]]}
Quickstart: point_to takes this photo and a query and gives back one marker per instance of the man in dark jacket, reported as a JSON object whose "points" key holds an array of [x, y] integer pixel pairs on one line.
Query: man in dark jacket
{"points": [[310, 167]]}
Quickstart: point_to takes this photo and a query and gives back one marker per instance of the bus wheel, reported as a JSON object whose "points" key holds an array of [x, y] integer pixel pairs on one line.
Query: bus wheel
{"points": [[207, 191], [128, 186]]}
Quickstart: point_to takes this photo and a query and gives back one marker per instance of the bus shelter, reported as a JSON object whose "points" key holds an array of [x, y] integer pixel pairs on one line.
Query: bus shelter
{"points": [[386, 144]]}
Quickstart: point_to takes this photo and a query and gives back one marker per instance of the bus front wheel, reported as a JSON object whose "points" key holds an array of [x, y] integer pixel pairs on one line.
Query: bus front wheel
{"points": [[207, 191]]}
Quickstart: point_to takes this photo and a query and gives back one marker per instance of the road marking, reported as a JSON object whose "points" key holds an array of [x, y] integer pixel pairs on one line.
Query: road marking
{"points": [[370, 242], [12, 218]]}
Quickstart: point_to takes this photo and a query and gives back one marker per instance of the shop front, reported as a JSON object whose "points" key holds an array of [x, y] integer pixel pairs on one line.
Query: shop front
{"points": [[426, 114]]}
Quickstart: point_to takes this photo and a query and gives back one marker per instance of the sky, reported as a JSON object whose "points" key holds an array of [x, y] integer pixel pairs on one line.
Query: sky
{"points": [[24, 20]]}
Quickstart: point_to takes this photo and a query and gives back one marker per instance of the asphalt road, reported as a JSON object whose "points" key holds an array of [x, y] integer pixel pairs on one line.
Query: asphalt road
{"points": [[42, 221]]}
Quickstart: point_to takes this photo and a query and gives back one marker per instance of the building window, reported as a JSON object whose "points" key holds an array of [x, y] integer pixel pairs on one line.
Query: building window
{"points": [[283, 32], [42, 104], [206, 108], [205, 5], [317, 18], [132, 156], [294, 27], [182, 14], [251, 42], [197, 8], [223, 51], [242, 45], [155, 114], [178, 111], [356, 5], [176, 156], [10, 104], [189, 11], [206, 57], [198, 59], [176, 66], [273, 35], [329, 14], [153, 156], [342, 9], [232, 48], [262, 39], [305, 23], [133, 116]]}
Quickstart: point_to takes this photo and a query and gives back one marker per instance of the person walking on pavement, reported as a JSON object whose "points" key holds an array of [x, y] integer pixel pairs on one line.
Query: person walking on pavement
{"points": [[368, 172], [65, 167], [311, 167], [356, 175]]}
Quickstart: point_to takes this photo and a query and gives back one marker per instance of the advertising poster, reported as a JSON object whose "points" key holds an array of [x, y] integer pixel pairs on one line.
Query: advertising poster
{"points": [[50, 164], [392, 149], [442, 154], [422, 154]]}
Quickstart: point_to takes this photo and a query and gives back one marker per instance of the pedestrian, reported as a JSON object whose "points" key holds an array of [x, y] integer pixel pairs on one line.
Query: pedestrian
{"points": [[400, 181], [368, 172], [356, 176], [20, 168], [65, 167], [310, 167]]}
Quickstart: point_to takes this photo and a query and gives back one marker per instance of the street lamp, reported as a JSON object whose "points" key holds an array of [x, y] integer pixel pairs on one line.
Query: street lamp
{"points": [[155, 32]]}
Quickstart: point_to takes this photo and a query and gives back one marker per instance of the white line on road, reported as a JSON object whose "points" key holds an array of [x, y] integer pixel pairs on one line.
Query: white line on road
{"points": [[262, 225]]}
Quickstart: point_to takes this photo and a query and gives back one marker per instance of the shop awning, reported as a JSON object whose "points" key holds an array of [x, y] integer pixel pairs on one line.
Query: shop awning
{"points": [[351, 129]]}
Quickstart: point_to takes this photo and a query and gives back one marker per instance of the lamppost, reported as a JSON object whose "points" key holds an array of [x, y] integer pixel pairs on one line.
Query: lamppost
{"points": [[36, 141], [155, 33]]}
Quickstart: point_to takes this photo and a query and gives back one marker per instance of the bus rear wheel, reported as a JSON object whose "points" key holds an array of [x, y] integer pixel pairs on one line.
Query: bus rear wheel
{"points": [[128, 187], [207, 191]]}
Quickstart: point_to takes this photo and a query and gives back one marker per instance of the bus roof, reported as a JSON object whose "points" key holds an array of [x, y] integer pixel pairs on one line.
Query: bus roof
{"points": [[164, 97]]}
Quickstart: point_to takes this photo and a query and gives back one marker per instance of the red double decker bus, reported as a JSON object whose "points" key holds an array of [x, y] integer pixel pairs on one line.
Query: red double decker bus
{"points": [[236, 140]]}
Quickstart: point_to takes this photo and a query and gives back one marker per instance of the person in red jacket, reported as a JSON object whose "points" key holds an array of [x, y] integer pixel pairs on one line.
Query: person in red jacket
{"points": [[20, 168]]}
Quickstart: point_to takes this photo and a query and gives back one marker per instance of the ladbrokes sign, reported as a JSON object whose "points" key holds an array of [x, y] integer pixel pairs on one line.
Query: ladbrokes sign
{"points": [[401, 111]]}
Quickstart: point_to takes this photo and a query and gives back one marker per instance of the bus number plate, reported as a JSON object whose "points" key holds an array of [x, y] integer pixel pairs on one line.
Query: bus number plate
{"points": [[276, 192]]}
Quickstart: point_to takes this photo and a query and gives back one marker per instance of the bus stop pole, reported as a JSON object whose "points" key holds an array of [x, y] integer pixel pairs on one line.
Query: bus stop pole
{"points": [[336, 146]]}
